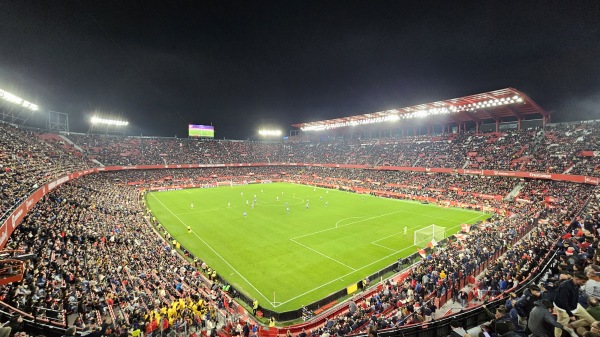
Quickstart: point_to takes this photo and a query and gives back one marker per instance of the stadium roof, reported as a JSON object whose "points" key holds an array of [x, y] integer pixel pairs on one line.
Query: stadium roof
{"points": [[494, 105]]}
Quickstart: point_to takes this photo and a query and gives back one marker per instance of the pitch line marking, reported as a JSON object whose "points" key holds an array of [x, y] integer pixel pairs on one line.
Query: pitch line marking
{"points": [[388, 248], [201, 211], [214, 251], [389, 236], [318, 252], [363, 267], [354, 217], [375, 217], [348, 224], [293, 239], [340, 278]]}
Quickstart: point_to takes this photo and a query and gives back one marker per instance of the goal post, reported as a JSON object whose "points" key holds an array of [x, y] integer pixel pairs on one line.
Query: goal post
{"points": [[427, 234]]}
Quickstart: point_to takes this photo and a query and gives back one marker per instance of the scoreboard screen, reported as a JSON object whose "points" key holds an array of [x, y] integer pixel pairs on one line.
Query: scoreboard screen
{"points": [[201, 131]]}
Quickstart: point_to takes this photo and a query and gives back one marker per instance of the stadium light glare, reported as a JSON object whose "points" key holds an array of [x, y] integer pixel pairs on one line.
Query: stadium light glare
{"points": [[420, 112], [100, 120], [269, 133], [7, 96]]}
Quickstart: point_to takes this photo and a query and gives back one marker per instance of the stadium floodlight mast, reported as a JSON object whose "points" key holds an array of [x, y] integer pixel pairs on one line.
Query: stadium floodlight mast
{"points": [[419, 111], [269, 133], [391, 116], [106, 121], [7, 96], [107, 125]]}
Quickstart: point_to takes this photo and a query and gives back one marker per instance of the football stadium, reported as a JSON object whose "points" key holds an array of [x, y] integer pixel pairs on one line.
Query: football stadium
{"points": [[351, 227], [474, 215]]}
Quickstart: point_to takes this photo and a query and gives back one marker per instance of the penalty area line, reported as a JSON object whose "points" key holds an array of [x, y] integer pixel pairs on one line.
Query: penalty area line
{"points": [[341, 278]]}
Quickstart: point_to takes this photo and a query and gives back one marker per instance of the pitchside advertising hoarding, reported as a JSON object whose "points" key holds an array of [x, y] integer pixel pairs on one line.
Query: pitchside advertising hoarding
{"points": [[201, 131], [17, 215]]}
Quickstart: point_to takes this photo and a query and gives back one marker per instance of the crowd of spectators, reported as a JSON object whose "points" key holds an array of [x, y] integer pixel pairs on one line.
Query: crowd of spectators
{"points": [[27, 161], [556, 149], [100, 265], [405, 303], [97, 260], [76, 228], [441, 271]]}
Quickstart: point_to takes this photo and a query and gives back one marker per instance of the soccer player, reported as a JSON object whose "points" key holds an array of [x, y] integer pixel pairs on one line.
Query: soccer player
{"points": [[287, 209], [405, 229], [189, 229], [307, 205], [252, 205], [326, 203], [192, 205], [277, 198], [229, 204], [245, 214], [246, 201]]}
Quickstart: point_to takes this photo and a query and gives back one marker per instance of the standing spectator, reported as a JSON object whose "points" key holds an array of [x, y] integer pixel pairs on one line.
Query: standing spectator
{"points": [[463, 296], [541, 321], [567, 307], [246, 330]]}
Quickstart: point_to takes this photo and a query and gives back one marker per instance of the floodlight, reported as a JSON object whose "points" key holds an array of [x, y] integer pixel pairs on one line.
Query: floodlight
{"points": [[99, 120], [269, 133], [7, 96]]}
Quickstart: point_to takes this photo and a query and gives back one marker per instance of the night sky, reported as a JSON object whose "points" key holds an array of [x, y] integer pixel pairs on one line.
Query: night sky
{"points": [[246, 64]]}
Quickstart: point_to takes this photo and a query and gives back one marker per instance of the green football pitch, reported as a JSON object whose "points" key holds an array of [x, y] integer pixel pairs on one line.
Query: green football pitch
{"points": [[286, 259]]}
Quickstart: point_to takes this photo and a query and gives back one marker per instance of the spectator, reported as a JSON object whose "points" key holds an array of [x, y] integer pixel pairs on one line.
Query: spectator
{"points": [[526, 303], [541, 322], [567, 308]]}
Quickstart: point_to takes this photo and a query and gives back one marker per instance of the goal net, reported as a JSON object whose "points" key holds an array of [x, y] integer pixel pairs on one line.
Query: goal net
{"points": [[430, 233]]}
